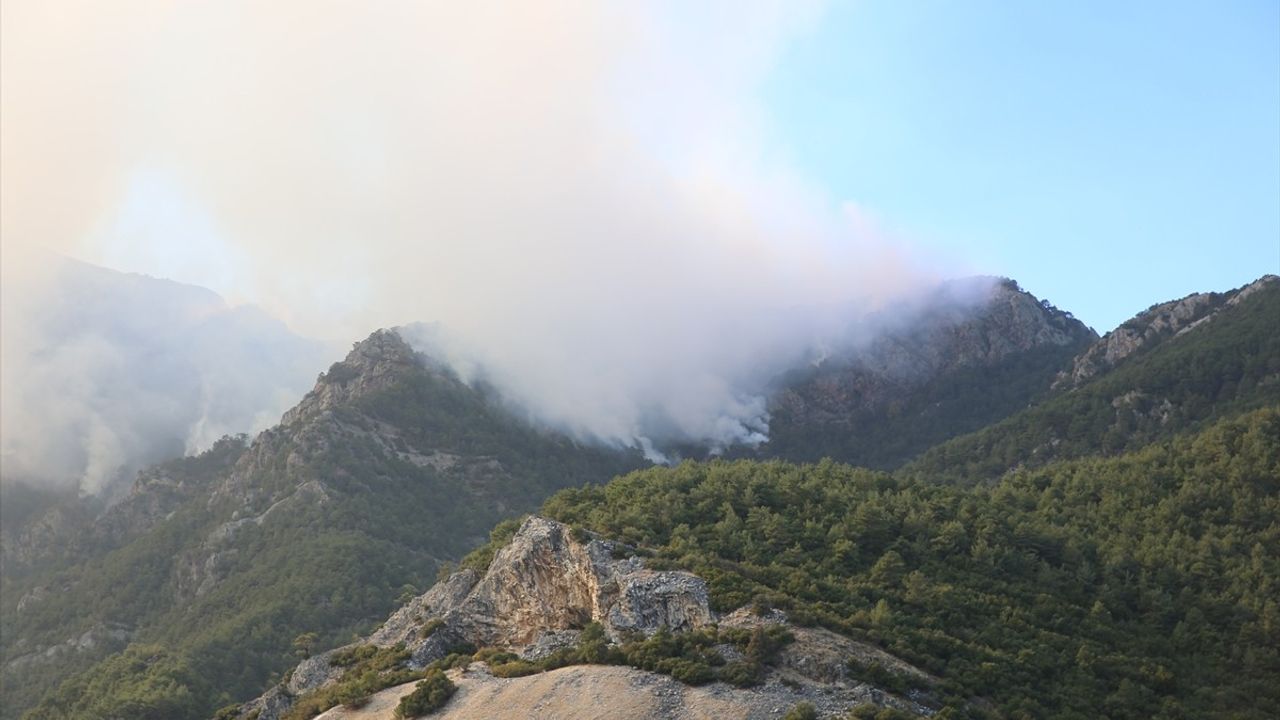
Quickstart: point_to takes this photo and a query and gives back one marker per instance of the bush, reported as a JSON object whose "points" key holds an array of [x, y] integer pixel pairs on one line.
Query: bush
{"points": [[690, 672], [429, 695], [803, 711], [740, 674], [875, 712], [515, 668], [429, 627]]}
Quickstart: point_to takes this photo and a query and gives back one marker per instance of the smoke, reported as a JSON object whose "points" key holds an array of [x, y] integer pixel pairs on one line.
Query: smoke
{"points": [[587, 195], [104, 373]]}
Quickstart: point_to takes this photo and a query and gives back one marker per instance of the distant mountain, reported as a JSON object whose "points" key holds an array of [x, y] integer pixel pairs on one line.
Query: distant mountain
{"points": [[961, 357], [106, 372], [388, 467]]}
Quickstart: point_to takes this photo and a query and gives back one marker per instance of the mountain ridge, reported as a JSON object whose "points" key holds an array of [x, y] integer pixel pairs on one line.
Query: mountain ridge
{"points": [[392, 466]]}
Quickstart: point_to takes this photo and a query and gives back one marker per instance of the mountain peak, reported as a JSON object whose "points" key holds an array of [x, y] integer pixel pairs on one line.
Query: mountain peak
{"points": [[375, 363]]}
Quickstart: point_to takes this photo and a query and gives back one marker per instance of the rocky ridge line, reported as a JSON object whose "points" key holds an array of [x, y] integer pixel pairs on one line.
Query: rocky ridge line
{"points": [[1154, 325]]}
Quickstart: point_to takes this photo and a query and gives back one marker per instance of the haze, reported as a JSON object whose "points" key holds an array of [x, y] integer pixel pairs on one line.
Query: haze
{"points": [[584, 195]]}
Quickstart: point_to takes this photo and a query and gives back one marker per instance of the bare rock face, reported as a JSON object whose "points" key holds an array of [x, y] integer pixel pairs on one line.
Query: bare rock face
{"points": [[544, 581], [375, 363], [1158, 322]]}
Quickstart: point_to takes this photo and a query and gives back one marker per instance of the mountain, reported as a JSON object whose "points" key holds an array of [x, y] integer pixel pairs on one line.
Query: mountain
{"points": [[1015, 559], [967, 354], [105, 373], [1219, 361], [1095, 579], [387, 468]]}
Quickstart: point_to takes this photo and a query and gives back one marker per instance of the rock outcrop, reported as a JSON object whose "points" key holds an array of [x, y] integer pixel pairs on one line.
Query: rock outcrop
{"points": [[376, 363], [546, 581], [540, 589]]}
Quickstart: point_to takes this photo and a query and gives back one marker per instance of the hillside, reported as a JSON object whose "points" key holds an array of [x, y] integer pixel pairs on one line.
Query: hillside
{"points": [[1180, 378], [960, 357], [545, 606], [387, 468], [1139, 586]]}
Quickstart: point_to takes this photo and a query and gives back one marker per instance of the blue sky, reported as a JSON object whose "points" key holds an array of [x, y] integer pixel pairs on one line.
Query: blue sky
{"points": [[1106, 155]]}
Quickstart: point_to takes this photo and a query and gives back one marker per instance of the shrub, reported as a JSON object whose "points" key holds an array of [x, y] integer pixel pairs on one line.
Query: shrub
{"points": [[429, 627], [429, 695], [803, 711], [875, 712], [515, 668]]}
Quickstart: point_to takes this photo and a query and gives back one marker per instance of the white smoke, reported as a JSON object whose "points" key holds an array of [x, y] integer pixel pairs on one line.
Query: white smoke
{"points": [[104, 372], [588, 195]]}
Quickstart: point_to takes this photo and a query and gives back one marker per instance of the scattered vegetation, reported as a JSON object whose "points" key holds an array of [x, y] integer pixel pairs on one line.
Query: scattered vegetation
{"points": [[693, 658], [430, 627], [368, 669]]}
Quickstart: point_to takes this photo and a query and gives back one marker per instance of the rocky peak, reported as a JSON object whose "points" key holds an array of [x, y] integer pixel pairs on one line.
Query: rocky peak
{"points": [[373, 364], [967, 323], [1154, 325], [976, 321], [545, 581]]}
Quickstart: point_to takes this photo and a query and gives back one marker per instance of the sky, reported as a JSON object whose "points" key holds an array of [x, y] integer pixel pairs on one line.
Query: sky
{"points": [[1106, 155]]}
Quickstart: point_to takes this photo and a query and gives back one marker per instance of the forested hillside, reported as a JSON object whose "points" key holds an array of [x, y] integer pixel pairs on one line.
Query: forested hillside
{"points": [[1137, 586], [1222, 367]]}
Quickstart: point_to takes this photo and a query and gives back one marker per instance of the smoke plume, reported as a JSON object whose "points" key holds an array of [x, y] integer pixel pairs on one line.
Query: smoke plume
{"points": [[105, 372], [587, 195]]}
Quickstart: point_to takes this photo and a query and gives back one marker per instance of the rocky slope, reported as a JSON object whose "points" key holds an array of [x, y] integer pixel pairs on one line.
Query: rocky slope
{"points": [[960, 358], [535, 597], [1153, 326]]}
